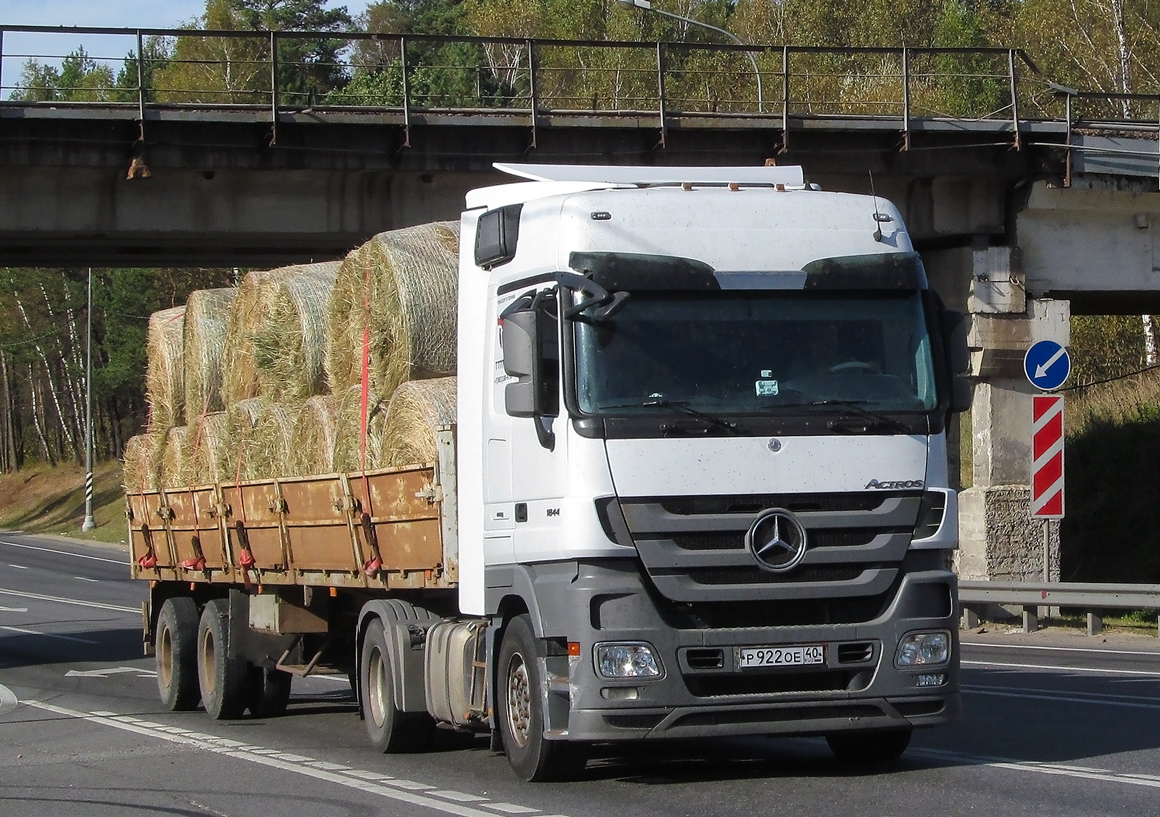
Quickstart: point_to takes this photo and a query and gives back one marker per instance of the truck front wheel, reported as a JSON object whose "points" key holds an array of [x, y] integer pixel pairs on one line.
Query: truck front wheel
{"points": [[520, 697], [878, 746], [389, 728], [223, 680], [175, 645]]}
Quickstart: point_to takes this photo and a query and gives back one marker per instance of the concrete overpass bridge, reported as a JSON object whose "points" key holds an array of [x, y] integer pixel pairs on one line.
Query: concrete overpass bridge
{"points": [[1030, 203]]}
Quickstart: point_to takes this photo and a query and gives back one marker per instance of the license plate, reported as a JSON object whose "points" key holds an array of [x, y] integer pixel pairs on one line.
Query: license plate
{"points": [[797, 656]]}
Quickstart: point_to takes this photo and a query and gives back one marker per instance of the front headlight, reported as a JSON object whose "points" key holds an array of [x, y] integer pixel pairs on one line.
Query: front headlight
{"points": [[633, 660], [918, 649]]}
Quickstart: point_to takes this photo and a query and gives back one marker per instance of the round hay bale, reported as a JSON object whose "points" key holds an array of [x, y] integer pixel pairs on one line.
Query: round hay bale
{"points": [[176, 469], [349, 432], [164, 372], [416, 411], [311, 449], [206, 314], [258, 431], [290, 343], [239, 359], [402, 284], [208, 449], [141, 466]]}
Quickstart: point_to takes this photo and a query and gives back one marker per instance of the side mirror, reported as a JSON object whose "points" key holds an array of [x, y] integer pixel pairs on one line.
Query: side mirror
{"points": [[960, 395], [954, 326]]}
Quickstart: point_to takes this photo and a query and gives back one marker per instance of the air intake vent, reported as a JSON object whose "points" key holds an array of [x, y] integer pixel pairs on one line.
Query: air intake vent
{"points": [[855, 653], [705, 659]]}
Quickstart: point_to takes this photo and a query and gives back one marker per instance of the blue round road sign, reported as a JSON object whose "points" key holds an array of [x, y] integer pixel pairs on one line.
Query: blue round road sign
{"points": [[1047, 365]]}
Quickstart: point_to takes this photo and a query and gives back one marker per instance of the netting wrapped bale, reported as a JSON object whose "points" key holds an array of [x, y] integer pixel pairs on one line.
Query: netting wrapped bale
{"points": [[206, 315], [239, 359], [141, 468], [164, 372], [258, 431], [311, 449], [416, 411], [290, 343], [176, 468], [403, 285], [349, 431], [209, 442]]}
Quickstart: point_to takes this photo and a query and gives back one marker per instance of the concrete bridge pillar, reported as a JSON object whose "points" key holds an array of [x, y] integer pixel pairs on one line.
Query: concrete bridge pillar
{"points": [[998, 538]]}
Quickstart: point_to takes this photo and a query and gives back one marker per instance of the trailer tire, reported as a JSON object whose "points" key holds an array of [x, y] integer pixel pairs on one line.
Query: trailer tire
{"points": [[223, 680], [390, 729], [269, 691], [881, 746], [521, 712], [175, 645]]}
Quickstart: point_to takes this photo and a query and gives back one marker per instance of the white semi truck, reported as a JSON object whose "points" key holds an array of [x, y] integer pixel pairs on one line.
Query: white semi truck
{"points": [[697, 487]]}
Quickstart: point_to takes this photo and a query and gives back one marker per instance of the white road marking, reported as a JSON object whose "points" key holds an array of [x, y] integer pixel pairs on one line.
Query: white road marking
{"points": [[13, 609], [359, 780], [1050, 695], [1057, 769], [8, 700], [124, 562], [1155, 654], [511, 808], [105, 673], [85, 579], [94, 604], [50, 635], [1093, 670], [18, 567]]}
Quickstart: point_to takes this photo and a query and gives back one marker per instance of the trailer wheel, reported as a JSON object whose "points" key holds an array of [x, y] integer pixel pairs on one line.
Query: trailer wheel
{"points": [[222, 679], [879, 746], [175, 645], [390, 729], [520, 696], [269, 691]]}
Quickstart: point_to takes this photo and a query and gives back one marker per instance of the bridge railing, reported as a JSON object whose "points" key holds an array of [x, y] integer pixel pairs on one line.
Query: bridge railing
{"points": [[280, 72]]}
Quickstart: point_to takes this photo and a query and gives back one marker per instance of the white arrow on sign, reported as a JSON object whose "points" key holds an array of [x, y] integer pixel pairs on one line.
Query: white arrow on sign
{"points": [[104, 673], [1042, 368], [13, 609]]}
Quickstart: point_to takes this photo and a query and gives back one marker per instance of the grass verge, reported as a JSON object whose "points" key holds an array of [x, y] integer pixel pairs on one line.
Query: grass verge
{"points": [[44, 499]]}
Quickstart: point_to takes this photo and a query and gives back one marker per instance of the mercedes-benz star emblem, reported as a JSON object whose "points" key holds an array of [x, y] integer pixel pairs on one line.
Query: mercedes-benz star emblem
{"points": [[776, 539]]}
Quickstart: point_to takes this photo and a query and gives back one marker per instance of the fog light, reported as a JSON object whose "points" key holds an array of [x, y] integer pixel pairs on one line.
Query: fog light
{"points": [[620, 693], [917, 649], [931, 679], [626, 661]]}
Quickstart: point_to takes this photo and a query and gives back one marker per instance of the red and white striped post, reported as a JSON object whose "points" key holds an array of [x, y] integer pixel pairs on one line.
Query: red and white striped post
{"points": [[1047, 456]]}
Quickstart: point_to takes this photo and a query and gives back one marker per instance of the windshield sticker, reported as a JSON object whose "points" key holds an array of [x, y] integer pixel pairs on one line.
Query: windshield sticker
{"points": [[766, 387]]}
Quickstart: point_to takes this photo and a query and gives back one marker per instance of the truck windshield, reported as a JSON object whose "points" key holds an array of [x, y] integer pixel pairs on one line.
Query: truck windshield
{"points": [[755, 352]]}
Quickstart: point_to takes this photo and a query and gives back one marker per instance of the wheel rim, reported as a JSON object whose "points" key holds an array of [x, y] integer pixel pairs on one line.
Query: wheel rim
{"points": [[208, 663], [377, 683], [519, 700], [165, 656]]}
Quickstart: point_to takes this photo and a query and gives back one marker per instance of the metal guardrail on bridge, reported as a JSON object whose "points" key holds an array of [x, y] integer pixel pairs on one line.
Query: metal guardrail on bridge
{"points": [[276, 72], [1033, 595]]}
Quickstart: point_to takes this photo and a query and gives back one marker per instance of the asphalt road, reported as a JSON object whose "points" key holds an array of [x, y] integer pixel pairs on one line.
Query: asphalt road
{"points": [[1054, 725]]}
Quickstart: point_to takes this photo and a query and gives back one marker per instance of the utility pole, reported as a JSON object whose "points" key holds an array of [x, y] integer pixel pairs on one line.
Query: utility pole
{"points": [[89, 522]]}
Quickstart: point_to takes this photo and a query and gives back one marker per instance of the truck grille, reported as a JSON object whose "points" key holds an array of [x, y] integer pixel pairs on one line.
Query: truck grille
{"points": [[693, 548]]}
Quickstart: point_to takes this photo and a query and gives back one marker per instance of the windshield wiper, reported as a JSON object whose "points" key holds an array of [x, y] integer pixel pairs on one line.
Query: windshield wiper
{"points": [[682, 406], [858, 407]]}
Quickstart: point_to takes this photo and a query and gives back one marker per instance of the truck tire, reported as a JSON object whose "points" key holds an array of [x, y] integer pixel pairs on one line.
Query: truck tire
{"points": [[175, 645], [269, 691], [880, 746], [390, 729], [519, 697], [223, 680]]}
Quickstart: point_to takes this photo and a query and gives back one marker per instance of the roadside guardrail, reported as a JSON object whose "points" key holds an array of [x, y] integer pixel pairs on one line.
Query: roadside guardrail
{"points": [[1033, 595]]}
